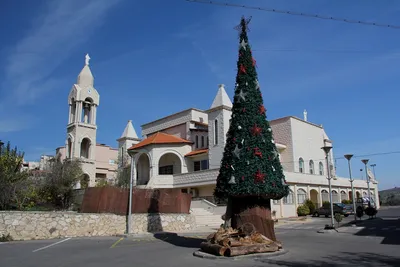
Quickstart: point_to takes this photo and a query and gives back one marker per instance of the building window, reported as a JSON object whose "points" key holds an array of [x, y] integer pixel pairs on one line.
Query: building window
{"points": [[200, 165], [202, 141], [166, 170], [275, 202], [301, 196], [311, 165], [335, 196], [343, 195], [208, 143], [301, 165], [197, 141], [216, 132], [289, 198], [321, 168], [325, 196], [111, 161]]}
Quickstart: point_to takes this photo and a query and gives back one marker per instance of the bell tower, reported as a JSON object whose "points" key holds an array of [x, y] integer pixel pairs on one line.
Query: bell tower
{"points": [[83, 101]]}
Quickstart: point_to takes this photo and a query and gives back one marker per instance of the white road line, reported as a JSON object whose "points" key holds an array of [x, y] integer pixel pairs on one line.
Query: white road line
{"points": [[52, 244]]}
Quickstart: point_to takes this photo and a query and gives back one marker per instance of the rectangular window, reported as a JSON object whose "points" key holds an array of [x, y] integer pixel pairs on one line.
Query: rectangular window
{"points": [[166, 170], [202, 141], [215, 132], [197, 141], [200, 165], [196, 166], [204, 164]]}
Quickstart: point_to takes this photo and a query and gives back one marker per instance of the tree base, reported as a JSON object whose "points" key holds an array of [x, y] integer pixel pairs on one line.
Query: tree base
{"points": [[253, 210]]}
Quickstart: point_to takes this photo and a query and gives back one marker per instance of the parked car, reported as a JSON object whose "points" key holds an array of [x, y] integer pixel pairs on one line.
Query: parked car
{"points": [[337, 208]]}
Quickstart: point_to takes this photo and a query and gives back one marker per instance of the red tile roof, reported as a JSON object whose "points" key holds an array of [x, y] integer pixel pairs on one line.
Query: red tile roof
{"points": [[197, 152], [160, 138]]}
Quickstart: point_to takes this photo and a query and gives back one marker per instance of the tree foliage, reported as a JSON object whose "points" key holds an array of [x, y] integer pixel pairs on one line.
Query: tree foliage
{"points": [[11, 175], [60, 180], [123, 177], [250, 164]]}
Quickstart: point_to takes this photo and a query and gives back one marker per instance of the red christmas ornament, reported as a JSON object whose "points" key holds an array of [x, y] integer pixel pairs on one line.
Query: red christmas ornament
{"points": [[248, 149], [242, 69], [259, 177], [257, 152], [244, 110], [242, 178], [234, 139], [256, 130], [261, 109], [254, 62]]}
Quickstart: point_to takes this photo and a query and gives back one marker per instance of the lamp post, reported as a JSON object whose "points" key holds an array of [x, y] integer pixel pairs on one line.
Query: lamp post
{"points": [[131, 184], [365, 161], [348, 157], [326, 150]]}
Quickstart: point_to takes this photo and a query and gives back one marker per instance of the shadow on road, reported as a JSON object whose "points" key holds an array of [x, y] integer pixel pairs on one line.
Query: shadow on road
{"points": [[179, 241], [345, 259], [379, 227]]}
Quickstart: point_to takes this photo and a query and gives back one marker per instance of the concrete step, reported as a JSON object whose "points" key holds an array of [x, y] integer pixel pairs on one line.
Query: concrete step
{"points": [[200, 211], [209, 220]]}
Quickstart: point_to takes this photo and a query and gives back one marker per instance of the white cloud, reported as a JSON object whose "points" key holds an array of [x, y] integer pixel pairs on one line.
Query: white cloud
{"points": [[64, 25]]}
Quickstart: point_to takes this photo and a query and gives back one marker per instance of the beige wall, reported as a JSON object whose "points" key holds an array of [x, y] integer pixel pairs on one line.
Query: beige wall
{"points": [[281, 130]]}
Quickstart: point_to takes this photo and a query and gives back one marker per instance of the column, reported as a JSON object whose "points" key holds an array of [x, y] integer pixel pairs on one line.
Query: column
{"points": [[319, 196], [70, 115], [308, 192], [93, 114], [295, 197]]}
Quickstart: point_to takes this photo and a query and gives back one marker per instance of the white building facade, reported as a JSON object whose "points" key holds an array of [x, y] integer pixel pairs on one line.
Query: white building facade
{"points": [[184, 151]]}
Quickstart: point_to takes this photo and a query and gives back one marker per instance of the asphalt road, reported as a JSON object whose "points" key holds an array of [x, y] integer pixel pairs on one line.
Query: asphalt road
{"points": [[365, 245]]}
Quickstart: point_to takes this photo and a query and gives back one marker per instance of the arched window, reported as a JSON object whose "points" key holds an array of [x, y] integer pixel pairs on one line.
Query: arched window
{"points": [[335, 196], [321, 168], [202, 141], [289, 198], [216, 132], [85, 148], [87, 110], [301, 196], [311, 165], [197, 141], [325, 195], [69, 151], [301, 165], [343, 195]]}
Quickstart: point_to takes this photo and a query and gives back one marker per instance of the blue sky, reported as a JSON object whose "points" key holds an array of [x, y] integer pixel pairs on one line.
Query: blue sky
{"points": [[156, 57]]}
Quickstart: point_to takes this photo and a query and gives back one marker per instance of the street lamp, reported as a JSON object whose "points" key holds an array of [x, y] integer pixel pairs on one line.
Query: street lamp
{"points": [[326, 150], [131, 184], [365, 161], [348, 157]]}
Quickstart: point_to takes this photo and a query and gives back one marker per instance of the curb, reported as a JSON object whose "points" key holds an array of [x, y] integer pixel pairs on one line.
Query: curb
{"points": [[151, 235], [203, 255]]}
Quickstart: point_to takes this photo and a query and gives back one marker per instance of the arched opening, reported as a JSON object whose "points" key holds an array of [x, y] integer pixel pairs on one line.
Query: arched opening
{"points": [[335, 196], [351, 195], [321, 168], [358, 195], [343, 195], [85, 148], [69, 148], [87, 110], [301, 165], [301, 196], [143, 169], [72, 114], [85, 180], [216, 132], [169, 164], [289, 198], [311, 166], [314, 197], [325, 196]]}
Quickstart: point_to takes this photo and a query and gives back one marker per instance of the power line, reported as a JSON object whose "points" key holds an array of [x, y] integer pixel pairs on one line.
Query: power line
{"points": [[297, 14], [333, 51]]}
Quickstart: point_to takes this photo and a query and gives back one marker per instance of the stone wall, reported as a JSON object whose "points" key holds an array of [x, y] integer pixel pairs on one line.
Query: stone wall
{"points": [[46, 225]]}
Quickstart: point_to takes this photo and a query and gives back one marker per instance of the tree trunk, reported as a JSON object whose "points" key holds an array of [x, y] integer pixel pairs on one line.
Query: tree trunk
{"points": [[214, 249], [254, 210], [250, 249]]}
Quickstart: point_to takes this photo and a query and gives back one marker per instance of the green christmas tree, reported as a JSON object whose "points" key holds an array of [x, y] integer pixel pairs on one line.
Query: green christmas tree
{"points": [[251, 173]]}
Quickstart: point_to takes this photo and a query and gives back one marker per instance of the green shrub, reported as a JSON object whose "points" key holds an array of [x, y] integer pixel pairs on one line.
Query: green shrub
{"points": [[6, 238], [338, 217], [310, 205], [303, 210], [326, 204], [346, 201]]}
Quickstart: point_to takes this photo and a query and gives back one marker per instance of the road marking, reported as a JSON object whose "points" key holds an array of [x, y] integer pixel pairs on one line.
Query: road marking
{"points": [[59, 242], [116, 242]]}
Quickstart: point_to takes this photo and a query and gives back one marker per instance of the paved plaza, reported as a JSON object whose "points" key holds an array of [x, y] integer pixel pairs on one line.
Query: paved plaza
{"points": [[369, 243]]}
